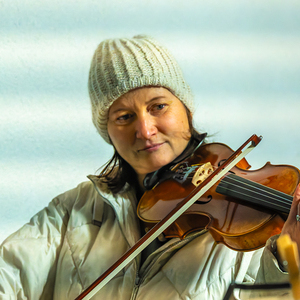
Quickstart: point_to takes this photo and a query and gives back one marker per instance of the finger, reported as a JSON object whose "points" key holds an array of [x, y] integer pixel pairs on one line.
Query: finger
{"points": [[296, 200], [297, 193], [296, 197], [294, 214]]}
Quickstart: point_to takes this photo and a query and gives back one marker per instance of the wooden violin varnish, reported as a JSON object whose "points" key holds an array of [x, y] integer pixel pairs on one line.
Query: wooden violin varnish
{"points": [[288, 251]]}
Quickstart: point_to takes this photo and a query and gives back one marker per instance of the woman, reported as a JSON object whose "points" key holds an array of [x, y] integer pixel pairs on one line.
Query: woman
{"points": [[143, 107]]}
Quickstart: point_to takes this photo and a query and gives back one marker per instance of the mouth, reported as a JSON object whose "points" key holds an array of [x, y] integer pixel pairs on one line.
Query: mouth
{"points": [[151, 148]]}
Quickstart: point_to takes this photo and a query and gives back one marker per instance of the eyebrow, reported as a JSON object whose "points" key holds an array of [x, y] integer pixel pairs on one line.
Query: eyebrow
{"points": [[147, 102], [154, 98]]}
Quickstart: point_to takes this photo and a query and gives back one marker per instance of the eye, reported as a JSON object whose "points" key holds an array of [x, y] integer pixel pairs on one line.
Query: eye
{"points": [[158, 107], [124, 118]]}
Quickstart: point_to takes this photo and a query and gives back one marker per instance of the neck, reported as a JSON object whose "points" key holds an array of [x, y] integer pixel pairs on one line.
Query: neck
{"points": [[141, 182], [140, 190]]}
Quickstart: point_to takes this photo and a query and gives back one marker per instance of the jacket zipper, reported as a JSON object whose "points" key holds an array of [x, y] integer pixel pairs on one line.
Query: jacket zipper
{"points": [[137, 283], [140, 279]]}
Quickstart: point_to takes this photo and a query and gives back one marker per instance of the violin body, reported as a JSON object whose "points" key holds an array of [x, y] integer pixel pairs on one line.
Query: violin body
{"points": [[240, 225]]}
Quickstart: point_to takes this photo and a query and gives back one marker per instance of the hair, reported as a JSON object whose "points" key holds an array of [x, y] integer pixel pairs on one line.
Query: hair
{"points": [[117, 171]]}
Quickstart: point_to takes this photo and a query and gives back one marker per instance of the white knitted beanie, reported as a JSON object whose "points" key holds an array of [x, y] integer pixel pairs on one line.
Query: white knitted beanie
{"points": [[120, 65]]}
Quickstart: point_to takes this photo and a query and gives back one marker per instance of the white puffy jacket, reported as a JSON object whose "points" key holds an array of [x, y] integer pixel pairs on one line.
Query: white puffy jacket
{"points": [[82, 232]]}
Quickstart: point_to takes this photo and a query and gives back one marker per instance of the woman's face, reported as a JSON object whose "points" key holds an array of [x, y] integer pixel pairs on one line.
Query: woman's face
{"points": [[149, 128]]}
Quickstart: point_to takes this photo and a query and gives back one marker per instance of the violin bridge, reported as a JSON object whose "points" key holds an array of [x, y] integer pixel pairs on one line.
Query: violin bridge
{"points": [[202, 173]]}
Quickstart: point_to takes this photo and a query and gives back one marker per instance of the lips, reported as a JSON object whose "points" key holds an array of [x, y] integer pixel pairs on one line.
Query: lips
{"points": [[152, 147]]}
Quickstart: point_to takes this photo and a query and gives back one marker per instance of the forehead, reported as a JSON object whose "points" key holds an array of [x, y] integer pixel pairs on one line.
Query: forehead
{"points": [[141, 96]]}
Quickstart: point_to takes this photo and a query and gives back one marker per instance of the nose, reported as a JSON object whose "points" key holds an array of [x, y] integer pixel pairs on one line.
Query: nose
{"points": [[145, 127]]}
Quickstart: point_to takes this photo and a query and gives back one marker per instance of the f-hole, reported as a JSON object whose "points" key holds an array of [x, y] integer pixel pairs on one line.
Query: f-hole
{"points": [[209, 198]]}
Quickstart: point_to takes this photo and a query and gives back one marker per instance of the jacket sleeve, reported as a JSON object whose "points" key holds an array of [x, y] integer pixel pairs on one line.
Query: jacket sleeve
{"points": [[269, 270], [28, 258], [263, 268]]}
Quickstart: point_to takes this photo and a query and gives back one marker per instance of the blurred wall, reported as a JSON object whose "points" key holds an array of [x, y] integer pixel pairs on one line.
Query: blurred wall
{"points": [[241, 59]]}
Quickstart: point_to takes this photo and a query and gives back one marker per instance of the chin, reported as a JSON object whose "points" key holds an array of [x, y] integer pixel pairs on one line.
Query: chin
{"points": [[157, 165]]}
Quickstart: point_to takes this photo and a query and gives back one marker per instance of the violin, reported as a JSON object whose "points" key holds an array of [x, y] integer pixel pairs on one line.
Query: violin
{"points": [[213, 189], [242, 210]]}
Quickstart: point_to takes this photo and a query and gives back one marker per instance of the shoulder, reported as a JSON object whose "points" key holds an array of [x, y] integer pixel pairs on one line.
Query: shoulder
{"points": [[90, 200], [86, 202], [83, 194]]}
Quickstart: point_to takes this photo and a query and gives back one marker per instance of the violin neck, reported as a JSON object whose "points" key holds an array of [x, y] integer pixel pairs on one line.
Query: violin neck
{"points": [[253, 193]]}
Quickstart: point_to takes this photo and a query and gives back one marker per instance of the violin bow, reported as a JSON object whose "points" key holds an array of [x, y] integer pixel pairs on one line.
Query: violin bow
{"points": [[288, 251], [156, 230]]}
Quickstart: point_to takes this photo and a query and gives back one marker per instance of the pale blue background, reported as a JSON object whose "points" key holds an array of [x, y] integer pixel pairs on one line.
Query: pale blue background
{"points": [[241, 59]]}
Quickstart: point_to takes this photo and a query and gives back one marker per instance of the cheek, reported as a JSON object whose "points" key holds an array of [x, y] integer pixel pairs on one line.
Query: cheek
{"points": [[113, 134], [176, 123], [119, 137]]}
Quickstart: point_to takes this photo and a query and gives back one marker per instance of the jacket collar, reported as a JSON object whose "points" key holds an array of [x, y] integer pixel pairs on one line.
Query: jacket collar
{"points": [[124, 205]]}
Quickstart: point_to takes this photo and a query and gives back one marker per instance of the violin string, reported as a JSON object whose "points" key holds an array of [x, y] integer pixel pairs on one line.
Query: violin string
{"points": [[257, 190], [276, 200], [252, 190], [268, 200], [284, 198]]}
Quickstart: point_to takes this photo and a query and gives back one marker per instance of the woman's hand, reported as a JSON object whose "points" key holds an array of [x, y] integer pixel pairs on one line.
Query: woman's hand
{"points": [[292, 224]]}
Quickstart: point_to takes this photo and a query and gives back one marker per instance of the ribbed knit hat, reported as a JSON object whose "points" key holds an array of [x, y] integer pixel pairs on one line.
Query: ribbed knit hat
{"points": [[120, 65]]}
